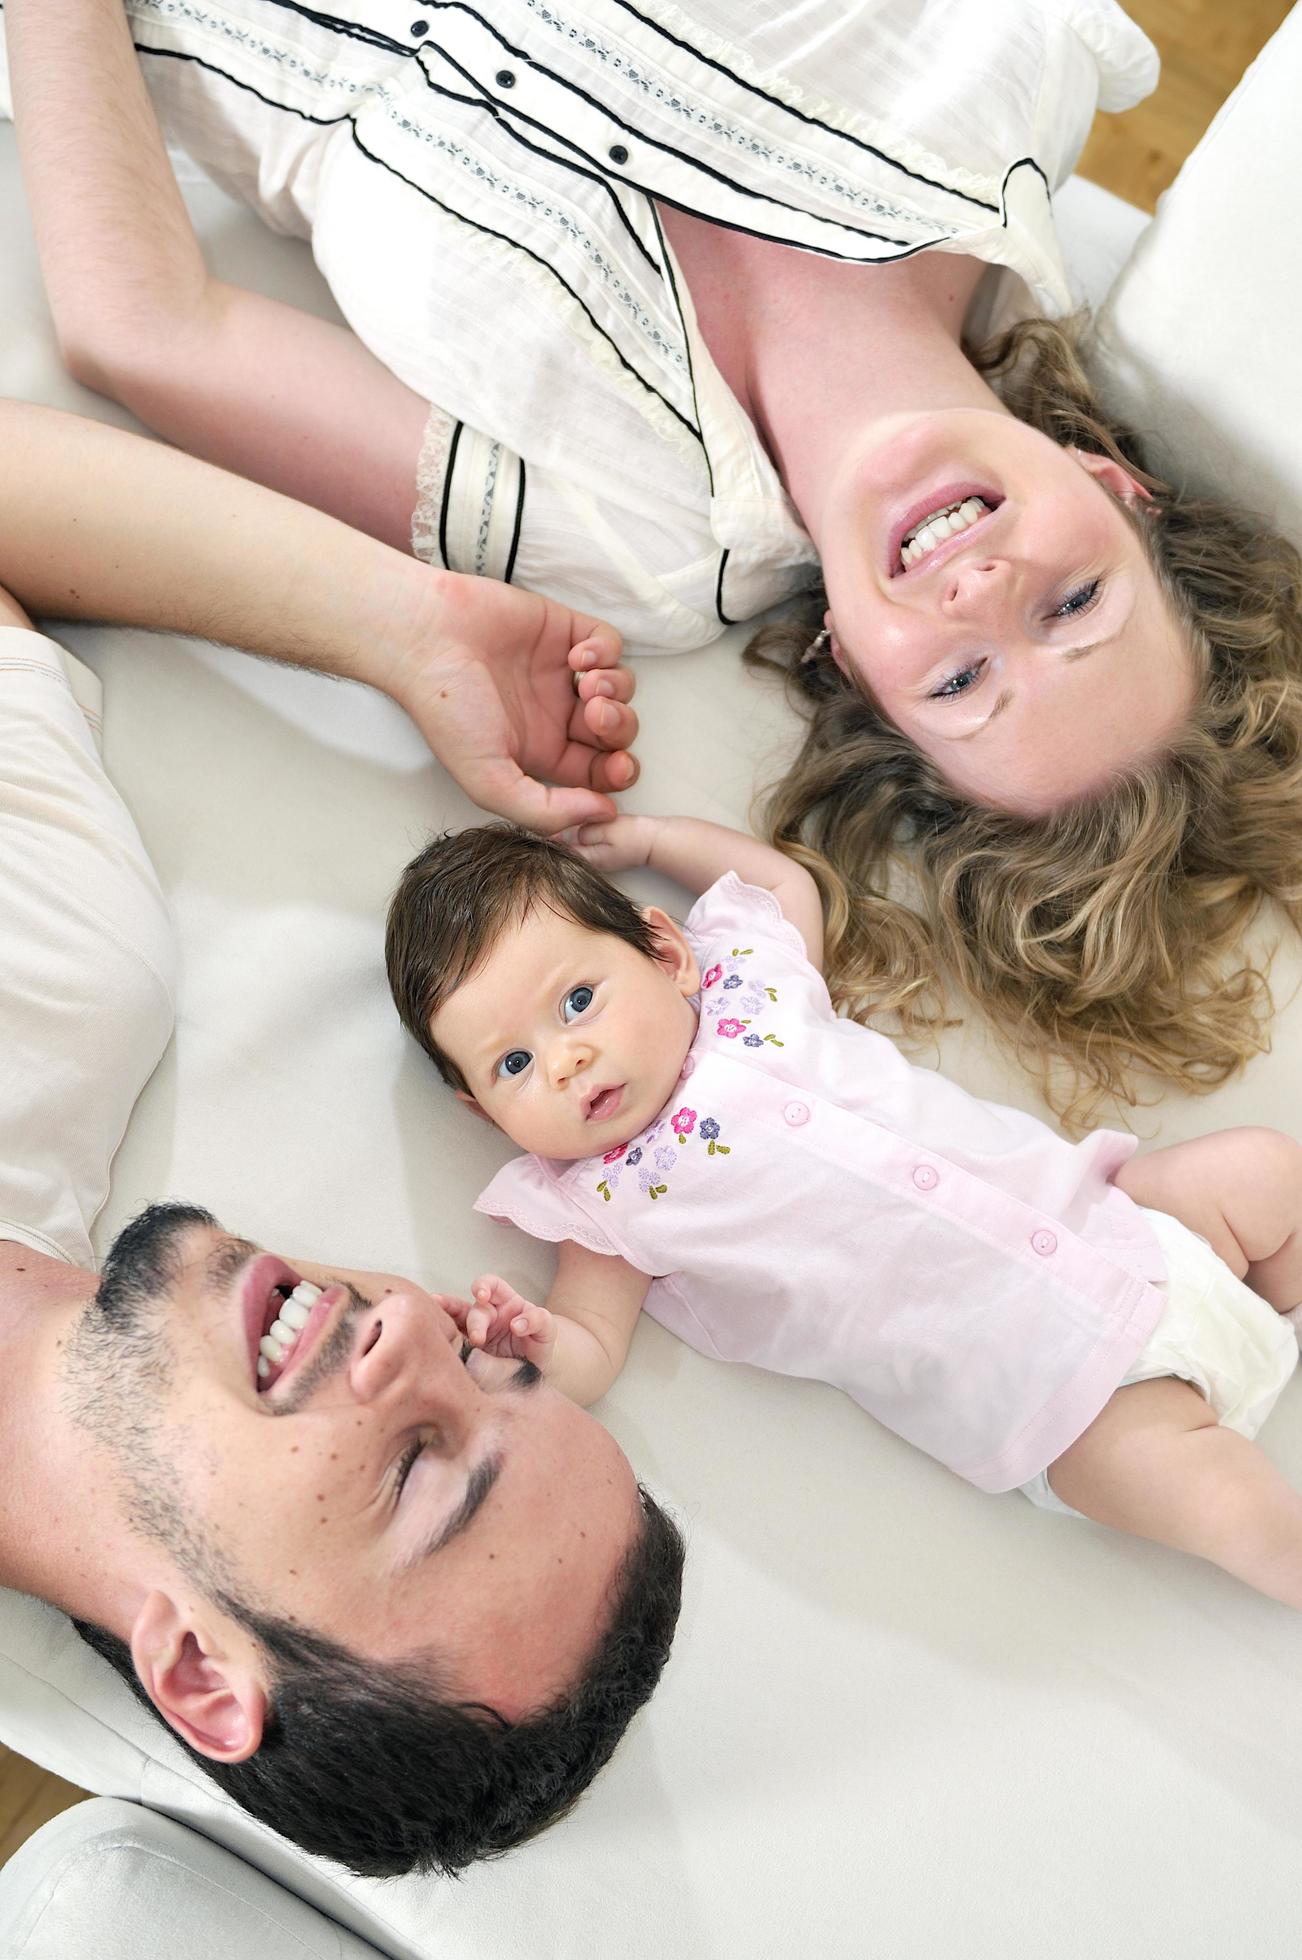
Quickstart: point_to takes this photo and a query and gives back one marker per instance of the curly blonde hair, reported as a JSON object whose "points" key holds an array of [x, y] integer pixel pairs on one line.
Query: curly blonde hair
{"points": [[1105, 940]]}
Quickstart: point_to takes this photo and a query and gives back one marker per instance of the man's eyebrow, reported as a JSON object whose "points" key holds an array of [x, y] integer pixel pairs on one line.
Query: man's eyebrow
{"points": [[478, 1485]]}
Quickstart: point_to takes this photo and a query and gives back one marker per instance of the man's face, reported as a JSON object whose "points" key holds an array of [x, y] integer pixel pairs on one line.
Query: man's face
{"points": [[374, 1486]]}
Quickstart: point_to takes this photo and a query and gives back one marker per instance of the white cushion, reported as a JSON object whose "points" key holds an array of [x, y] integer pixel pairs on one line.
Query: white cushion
{"points": [[1199, 340], [119, 1881]]}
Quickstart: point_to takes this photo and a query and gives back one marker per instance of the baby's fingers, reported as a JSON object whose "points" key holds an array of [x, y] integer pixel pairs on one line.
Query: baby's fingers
{"points": [[533, 1334]]}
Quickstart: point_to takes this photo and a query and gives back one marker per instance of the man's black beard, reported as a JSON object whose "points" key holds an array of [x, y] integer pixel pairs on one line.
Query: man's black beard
{"points": [[119, 1363], [142, 1265]]}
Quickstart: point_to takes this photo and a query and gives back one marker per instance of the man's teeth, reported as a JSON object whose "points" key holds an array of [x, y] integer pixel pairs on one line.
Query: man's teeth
{"points": [[940, 525], [292, 1318]]}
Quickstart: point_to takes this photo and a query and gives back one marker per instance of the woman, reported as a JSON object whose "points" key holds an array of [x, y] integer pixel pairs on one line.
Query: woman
{"points": [[1073, 700]]}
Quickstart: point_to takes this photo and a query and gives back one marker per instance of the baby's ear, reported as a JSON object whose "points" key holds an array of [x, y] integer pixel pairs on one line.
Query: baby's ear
{"points": [[462, 1096], [672, 950]]}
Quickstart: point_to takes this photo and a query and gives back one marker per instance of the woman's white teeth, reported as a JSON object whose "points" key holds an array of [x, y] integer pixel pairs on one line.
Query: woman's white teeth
{"points": [[942, 524], [291, 1319]]}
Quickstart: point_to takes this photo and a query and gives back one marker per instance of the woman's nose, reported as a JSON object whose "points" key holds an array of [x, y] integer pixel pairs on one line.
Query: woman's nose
{"points": [[976, 584]]}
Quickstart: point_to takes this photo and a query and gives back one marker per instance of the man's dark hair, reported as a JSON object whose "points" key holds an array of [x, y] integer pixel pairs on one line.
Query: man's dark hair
{"points": [[455, 900], [363, 1762]]}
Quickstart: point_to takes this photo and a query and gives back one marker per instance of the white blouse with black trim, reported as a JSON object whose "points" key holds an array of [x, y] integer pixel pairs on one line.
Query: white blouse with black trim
{"points": [[479, 180]]}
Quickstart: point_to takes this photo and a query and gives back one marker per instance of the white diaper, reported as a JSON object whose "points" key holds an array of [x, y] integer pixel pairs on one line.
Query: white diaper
{"points": [[1215, 1333]]}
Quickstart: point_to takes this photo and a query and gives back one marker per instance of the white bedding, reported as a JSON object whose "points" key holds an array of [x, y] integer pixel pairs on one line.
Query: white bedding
{"points": [[902, 1718]]}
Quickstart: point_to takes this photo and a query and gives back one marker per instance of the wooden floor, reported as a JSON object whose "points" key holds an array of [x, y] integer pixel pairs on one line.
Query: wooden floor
{"points": [[1205, 45]]}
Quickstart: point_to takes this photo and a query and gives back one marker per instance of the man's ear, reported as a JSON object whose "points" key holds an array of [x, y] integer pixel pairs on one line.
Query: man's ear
{"points": [[673, 952], [463, 1096], [202, 1677], [1113, 476]]}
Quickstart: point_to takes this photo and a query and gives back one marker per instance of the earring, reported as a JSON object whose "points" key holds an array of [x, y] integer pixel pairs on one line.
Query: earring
{"points": [[815, 647]]}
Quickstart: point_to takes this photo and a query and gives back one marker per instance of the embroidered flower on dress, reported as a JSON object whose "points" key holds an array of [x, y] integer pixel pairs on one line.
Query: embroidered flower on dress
{"points": [[752, 1041], [733, 980], [730, 1029], [683, 1122], [618, 1151], [708, 979], [634, 1157], [709, 1129], [666, 1159]]}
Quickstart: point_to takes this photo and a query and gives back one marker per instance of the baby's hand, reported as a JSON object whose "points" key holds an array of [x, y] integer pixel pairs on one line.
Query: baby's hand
{"points": [[621, 844], [501, 1322]]}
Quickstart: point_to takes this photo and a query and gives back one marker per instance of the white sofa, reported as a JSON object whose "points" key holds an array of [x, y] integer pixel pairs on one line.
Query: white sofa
{"points": [[901, 1717]]}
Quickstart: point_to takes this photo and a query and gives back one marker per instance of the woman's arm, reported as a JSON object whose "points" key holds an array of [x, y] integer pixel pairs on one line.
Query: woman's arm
{"points": [[504, 686], [292, 401], [580, 1339], [694, 854]]}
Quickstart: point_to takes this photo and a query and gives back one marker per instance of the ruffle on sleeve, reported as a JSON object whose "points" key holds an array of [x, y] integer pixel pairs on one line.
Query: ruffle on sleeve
{"points": [[731, 909], [526, 1194]]}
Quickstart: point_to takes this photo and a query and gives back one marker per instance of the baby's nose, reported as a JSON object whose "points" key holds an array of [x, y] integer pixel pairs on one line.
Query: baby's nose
{"points": [[569, 1059]]}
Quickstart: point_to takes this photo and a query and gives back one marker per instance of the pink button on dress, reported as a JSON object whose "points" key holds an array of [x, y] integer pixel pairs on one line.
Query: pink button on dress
{"points": [[824, 1208]]}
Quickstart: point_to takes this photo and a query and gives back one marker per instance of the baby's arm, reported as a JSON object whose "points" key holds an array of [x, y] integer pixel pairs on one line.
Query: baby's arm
{"points": [[1241, 1190], [695, 853], [579, 1340]]}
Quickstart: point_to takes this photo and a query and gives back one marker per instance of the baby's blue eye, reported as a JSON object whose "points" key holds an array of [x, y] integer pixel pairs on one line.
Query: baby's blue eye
{"points": [[514, 1063], [577, 1001]]}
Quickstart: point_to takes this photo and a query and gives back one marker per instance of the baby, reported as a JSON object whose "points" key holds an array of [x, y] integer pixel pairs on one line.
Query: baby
{"points": [[780, 1186]]}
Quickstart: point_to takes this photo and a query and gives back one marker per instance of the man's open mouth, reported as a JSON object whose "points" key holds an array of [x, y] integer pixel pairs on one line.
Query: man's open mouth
{"points": [[278, 1305], [285, 1323]]}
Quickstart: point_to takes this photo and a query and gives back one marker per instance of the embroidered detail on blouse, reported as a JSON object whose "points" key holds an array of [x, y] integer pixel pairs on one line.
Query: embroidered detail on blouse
{"points": [[697, 115], [167, 11], [653, 1176], [743, 996]]}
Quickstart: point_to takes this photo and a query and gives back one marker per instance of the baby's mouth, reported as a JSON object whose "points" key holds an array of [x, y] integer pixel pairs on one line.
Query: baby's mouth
{"points": [[604, 1104]]}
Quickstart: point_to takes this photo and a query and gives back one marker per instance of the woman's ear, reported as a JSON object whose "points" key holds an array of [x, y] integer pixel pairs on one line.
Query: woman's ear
{"points": [[673, 952], [1113, 476], [834, 646], [203, 1675]]}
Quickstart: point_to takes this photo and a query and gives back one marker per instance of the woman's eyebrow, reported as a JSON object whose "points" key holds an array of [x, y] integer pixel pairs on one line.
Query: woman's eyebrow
{"points": [[998, 709], [1071, 653]]}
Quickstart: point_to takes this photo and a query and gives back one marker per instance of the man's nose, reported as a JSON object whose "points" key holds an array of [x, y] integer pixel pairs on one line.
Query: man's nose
{"points": [[402, 1349], [570, 1056]]}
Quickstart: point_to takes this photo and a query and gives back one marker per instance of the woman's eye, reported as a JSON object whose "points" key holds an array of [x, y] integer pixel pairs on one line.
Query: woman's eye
{"points": [[959, 683], [1080, 601], [577, 1001], [514, 1063]]}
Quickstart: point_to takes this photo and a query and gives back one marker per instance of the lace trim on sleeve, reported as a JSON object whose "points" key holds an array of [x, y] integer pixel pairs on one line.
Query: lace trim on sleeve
{"points": [[470, 493]]}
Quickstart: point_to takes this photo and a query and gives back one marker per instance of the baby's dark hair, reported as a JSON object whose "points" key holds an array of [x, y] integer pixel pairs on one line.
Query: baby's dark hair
{"points": [[466, 888]]}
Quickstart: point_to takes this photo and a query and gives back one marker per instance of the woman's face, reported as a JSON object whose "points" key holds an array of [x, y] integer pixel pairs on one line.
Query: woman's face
{"points": [[1030, 653]]}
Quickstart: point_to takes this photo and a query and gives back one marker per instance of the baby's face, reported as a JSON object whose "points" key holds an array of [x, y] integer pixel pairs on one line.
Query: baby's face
{"points": [[572, 1041]]}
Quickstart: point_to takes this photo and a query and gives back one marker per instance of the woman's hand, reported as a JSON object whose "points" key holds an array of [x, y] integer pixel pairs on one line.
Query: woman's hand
{"points": [[507, 688]]}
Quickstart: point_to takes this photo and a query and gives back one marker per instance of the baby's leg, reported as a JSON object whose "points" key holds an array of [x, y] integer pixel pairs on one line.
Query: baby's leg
{"points": [[1155, 1462], [1242, 1191]]}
